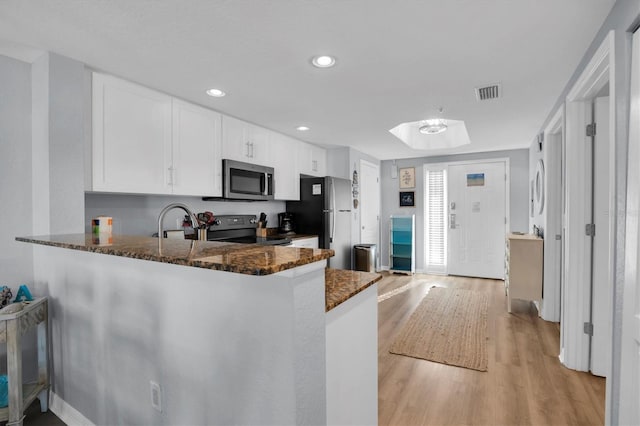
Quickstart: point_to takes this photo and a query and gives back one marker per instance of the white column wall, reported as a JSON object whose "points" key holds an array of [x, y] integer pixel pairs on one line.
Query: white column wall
{"points": [[225, 348], [16, 261]]}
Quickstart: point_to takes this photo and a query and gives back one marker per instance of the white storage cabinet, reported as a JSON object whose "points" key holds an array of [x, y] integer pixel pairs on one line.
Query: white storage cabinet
{"points": [[146, 142], [312, 160], [523, 264], [287, 175], [131, 137], [246, 142], [197, 158]]}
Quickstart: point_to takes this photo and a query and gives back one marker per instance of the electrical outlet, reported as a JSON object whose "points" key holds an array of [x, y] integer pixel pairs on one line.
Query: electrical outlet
{"points": [[156, 396]]}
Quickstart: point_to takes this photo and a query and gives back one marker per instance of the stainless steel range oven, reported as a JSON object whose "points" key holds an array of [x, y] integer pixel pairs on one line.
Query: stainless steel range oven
{"points": [[241, 229]]}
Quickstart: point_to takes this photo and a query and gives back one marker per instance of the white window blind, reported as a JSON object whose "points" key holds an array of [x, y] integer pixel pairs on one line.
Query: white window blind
{"points": [[435, 214]]}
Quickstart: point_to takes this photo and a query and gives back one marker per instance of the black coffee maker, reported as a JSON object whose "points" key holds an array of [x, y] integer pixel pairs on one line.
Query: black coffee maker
{"points": [[285, 223]]}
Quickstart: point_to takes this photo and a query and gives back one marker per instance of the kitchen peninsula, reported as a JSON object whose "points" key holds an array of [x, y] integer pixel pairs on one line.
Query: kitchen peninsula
{"points": [[230, 333]]}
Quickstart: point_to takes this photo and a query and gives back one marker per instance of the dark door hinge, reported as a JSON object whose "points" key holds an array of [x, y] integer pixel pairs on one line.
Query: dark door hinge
{"points": [[588, 328], [591, 129], [590, 229]]}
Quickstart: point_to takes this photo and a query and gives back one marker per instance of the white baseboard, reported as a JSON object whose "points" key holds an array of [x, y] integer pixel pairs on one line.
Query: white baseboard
{"points": [[66, 412]]}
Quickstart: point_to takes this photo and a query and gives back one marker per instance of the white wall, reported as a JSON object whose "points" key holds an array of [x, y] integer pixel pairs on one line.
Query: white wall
{"points": [[518, 194], [67, 110], [16, 260]]}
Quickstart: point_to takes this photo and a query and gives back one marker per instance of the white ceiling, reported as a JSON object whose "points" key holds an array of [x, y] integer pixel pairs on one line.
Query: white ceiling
{"points": [[397, 60]]}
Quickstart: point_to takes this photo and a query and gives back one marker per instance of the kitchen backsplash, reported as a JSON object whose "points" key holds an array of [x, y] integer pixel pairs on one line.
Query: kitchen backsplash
{"points": [[138, 214]]}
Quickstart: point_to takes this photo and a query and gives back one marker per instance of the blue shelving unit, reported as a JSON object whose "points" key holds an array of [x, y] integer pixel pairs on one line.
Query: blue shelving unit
{"points": [[402, 244]]}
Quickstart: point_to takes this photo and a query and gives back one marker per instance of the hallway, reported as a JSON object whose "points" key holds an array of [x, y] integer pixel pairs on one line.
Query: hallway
{"points": [[525, 384]]}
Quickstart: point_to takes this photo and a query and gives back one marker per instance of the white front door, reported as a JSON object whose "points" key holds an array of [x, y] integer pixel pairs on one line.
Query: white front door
{"points": [[369, 202], [477, 218], [602, 275]]}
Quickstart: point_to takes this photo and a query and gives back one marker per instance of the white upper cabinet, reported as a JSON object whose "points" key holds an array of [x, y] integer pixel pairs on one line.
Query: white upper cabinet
{"points": [[318, 161], [287, 175], [147, 142], [131, 137], [312, 159], [242, 141], [196, 167]]}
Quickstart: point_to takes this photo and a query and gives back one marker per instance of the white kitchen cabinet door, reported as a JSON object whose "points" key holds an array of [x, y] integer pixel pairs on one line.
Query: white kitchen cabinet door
{"points": [[131, 137], [287, 176], [318, 161], [304, 158], [235, 139], [260, 148], [197, 159], [312, 159], [242, 141]]}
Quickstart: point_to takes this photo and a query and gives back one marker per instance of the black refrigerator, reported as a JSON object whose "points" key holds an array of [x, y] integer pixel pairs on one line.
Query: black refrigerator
{"points": [[324, 209]]}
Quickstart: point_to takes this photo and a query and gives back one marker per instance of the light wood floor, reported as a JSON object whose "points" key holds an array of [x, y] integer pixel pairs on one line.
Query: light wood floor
{"points": [[525, 384]]}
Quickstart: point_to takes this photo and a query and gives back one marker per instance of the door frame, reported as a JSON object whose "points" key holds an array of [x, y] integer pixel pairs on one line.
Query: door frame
{"points": [[552, 155], [574, 353], [377, 167], [507, 189], [628, 369]]}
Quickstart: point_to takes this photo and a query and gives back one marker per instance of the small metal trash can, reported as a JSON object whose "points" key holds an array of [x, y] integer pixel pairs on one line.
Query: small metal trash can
{"points": [[366, 257]]}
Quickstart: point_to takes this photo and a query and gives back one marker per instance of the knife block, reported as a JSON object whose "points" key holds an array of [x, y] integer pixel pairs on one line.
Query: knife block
{"points": [[266, 232]]}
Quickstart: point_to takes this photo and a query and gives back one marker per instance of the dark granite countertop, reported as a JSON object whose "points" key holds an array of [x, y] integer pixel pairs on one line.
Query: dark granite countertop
{"points": [[341, 285], [298, 236], [250, 259]]}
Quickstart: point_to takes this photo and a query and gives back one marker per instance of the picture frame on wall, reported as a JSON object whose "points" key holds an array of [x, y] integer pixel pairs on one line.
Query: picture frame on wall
{"points": [[407, 199], [407, 177]]}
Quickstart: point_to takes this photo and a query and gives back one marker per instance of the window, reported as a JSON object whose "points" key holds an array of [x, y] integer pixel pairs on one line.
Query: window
{"points": [[435, 213]]}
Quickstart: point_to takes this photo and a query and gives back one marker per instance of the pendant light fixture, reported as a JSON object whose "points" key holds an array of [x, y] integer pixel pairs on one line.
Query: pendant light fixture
{"points": [[433, 126]]}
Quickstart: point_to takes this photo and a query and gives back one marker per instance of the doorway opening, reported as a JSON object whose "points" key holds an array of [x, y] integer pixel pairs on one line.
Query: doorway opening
{"points": [[589, 221]]}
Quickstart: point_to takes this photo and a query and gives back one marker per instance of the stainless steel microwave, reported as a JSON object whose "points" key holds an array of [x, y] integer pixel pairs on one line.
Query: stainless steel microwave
{"points": [[244, 181]]}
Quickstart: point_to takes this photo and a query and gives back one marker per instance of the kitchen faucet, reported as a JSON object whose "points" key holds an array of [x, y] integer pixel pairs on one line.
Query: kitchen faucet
{"points": [[194, 220]]}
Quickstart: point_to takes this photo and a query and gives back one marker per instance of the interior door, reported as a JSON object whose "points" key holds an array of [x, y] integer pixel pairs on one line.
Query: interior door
{"points": [[369, 203], [602, 277], [629, 411], [477, 219]]}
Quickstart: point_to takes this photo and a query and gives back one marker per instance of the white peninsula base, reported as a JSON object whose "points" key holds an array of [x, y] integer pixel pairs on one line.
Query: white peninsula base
{"points": [[225, 348]]}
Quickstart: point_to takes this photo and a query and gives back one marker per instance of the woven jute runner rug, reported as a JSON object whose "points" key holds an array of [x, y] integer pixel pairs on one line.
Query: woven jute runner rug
{"points": [[450, 327]]}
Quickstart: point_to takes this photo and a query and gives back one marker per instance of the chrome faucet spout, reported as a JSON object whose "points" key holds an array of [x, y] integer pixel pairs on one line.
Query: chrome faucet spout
{"points": [[194, 220]]}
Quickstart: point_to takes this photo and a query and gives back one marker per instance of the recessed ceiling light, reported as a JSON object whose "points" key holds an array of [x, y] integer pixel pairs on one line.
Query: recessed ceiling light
{"points": [[302, 128], [323, 61], [216, 93]]}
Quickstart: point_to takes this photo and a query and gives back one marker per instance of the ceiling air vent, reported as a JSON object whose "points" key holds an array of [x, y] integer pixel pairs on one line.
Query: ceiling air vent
{"points": [[488, 92]]}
